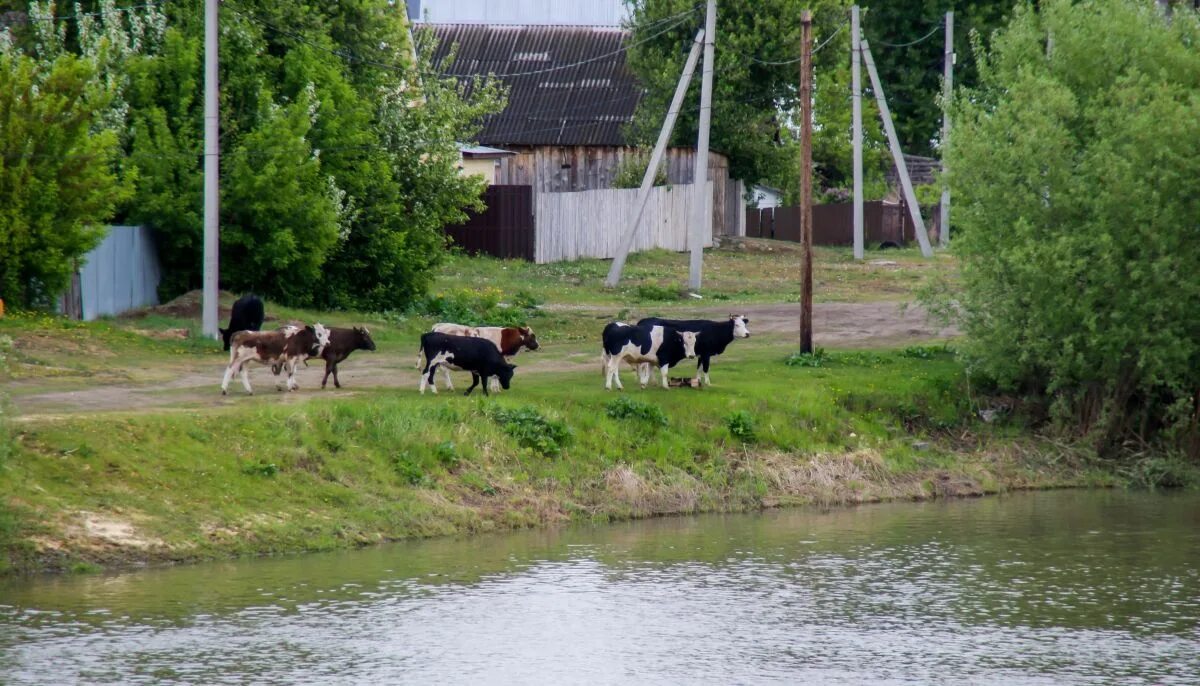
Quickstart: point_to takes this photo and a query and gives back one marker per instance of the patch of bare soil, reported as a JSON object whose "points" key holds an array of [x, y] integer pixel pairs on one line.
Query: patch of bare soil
{"points": [[187, 306]]}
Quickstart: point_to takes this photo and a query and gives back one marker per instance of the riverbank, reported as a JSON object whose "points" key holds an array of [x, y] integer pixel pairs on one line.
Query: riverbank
{"points": [[310, 471]]}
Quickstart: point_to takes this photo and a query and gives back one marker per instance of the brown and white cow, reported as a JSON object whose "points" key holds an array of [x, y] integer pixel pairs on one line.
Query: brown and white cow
{"points": [[287, 347], [509, 340]]}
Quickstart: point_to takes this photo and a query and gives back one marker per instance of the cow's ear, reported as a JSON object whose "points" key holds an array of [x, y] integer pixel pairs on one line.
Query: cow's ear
{"points": [[222, 331]]}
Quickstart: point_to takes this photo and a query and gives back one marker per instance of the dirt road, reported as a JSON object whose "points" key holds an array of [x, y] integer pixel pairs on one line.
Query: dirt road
{"points": [[836, 325]]}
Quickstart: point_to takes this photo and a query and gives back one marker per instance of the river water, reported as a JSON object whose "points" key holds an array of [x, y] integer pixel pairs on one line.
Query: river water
{"points": [[1043, 588]]}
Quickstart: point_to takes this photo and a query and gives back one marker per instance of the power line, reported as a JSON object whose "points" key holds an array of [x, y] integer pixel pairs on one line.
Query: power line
{"points": [[910, 43]]}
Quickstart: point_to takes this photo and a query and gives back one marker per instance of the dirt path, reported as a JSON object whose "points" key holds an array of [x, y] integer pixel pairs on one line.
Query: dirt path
{"points": [[839, 325]]}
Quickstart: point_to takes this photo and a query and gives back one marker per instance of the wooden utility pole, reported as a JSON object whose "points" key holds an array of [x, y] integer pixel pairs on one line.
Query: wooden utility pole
{"points": [[856, 101], [914, 210], [947, 89], [212, 169], [806, 227], [685, 78], [702, 212]]}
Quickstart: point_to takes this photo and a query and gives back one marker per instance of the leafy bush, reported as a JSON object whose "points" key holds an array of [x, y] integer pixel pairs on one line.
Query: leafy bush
{"points": [[409, 467], [816, 358], [632, 168], [649, 291], [533, 430], [626, 407], [1076, 210], [926, 352], [480, 307], [741, 426], [260, 468], [1163, 471]]}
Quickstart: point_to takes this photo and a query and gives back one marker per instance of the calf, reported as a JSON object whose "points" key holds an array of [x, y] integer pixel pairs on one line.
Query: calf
{"points": [[711, 337], [285, 347], [342, 342], [509, 340], [658, 345], [247, 315], [463, 353]]}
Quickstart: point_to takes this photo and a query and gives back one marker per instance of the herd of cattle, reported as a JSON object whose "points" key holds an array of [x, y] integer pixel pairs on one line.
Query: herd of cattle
{"points": [[484, 351]]}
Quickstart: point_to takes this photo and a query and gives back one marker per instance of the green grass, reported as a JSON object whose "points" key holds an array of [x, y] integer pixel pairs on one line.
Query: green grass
{"points": [[385, 464]]}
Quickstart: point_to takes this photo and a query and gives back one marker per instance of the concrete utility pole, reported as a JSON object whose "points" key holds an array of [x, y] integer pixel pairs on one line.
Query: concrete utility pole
{"points": [[664, 135], [212, 168], [701, 212], [806, 226], [914, 210], [947, 88], [856, 99]]}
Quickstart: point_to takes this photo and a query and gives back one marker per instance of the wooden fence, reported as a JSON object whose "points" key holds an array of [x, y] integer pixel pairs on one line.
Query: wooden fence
{"points": [[833, 224], [571, 226], [505, 229]]}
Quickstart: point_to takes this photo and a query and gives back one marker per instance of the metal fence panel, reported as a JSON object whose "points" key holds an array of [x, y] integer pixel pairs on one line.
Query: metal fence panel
{"points": [[120, 274], [505, 229]]}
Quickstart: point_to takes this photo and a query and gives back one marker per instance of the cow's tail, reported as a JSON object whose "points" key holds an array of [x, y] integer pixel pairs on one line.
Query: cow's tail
{"points": [[421, 357]]}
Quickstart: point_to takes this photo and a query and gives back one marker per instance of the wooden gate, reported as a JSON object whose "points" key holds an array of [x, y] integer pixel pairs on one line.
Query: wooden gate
{"points": [[505, 229]]}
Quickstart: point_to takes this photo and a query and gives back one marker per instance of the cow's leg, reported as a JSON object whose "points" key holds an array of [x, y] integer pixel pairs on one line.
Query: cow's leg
{"points": [[292, 384], [474, 383], [664, 369], [487, 381], [707, 361], [446, 377], [245, 370], [225, 380], [427, 377], [614, 374], [336, 382], [328, 368]]}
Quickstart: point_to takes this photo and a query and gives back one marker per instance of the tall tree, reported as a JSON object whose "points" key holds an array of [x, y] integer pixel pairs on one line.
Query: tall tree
{"points": [[1075, 172], [912, 74], [756, 85]]}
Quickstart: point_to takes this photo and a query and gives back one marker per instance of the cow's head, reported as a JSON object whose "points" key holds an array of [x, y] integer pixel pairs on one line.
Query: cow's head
{"points": [[741, 328], [528, 339], [505, 374], [362, 338], [689, 343], [226, 334]]}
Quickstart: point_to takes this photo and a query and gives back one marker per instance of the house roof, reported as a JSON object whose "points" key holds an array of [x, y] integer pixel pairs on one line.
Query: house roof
{"points": [[921, 171], [483, 152], [567, 85]]}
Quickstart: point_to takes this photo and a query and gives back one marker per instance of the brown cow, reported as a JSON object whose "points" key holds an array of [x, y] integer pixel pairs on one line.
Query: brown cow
{"points": [[287, 347]]}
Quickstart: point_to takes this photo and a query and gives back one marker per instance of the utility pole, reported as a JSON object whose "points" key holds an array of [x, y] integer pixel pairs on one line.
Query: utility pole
{"points": [[856, 99], [806, 227], [914, 210], [701, 213], [212, 168], [664, 135], [947, 89]]}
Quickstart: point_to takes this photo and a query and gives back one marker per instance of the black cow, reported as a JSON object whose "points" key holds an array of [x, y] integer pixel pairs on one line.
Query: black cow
{"points": [[712, 337], [659, 345], [464, 353], [247, 315]]}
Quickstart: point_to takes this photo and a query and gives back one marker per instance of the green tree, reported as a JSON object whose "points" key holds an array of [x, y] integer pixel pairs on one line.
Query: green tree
{"points": [[755, 87], [1075, 180], [57, 181], [912, 74]]}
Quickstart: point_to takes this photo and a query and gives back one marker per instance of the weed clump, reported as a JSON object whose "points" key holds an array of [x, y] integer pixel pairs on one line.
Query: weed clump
{"points": [[741, 426], [533, 430], [632, 408]]}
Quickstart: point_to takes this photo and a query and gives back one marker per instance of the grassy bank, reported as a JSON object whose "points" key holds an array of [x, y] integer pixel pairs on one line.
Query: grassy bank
{"points": [[287, 473]]}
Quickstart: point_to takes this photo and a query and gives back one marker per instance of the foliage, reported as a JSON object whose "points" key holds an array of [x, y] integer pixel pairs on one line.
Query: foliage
{"points": [[651, 291], [816, 358], [260, 468], [626, 407], [1075, 180], [533, 430], [912, 75], [57, 181], [1162, 471], [632, 168], [741, 426], [479, 307], [754, 101], [340, 158]]}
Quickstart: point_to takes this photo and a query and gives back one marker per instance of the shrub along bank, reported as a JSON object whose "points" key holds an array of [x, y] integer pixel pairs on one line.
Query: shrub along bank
{"points": [[269, 475]]}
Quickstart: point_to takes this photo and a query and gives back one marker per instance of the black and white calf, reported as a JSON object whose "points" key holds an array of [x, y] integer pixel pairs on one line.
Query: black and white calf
{"points": [[658, 345], [712, 337], [463, 353]]}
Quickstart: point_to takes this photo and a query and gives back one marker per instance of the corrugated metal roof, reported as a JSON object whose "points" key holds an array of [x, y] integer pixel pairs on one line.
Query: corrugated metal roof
{"points": [[574, 12], [567, 85]]}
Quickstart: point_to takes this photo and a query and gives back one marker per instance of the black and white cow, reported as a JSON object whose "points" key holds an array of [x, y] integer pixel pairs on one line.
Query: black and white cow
{"points": [[712, 337], [463, 353], [658, 345], [247, 315]]}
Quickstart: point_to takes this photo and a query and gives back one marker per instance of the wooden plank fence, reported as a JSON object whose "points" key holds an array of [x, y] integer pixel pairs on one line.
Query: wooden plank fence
{"points": [[833, 223], [571, 226]]}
